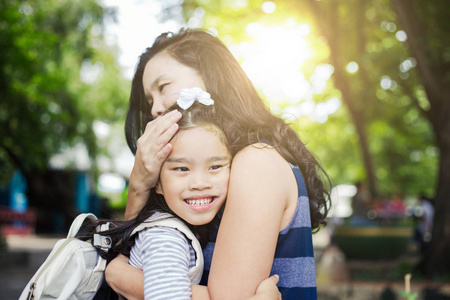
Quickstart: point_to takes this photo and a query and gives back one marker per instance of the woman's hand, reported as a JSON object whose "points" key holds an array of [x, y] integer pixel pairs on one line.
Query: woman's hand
{"points": [[152, 150]]}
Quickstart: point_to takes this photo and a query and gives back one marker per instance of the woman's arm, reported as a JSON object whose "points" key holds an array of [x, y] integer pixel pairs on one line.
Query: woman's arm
{"points": [[125, 279], [267, 290], [128, 281], [152, 151], [261, 201]]}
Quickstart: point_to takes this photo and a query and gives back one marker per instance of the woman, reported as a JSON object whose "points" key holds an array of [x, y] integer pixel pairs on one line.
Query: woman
{"points": [[275, 197]]}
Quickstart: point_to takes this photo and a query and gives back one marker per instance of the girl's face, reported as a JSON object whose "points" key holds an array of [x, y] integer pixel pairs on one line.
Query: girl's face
{"points": [[194, 178], [163, 78]]}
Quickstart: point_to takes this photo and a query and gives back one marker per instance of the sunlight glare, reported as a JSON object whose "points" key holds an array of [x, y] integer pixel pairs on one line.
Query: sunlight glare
{"points": [[304, 29], [253, 29], [291, 23], [408, 64], [238, 4], [273, 59], [307, 107], [320, 77], [401, 36], [269, 7], [385, 82], [352, 67], [101, 129], [292, 113], [320, 113], [295, 87], [333, 105]]}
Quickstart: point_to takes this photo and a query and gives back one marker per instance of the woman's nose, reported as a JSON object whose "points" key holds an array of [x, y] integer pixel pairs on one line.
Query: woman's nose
{"points": [[158, 108], [161, 103]]}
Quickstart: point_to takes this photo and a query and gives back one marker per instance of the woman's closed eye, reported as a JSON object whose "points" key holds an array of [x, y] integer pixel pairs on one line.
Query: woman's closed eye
{"points": [[150, 100], [162, 86]]}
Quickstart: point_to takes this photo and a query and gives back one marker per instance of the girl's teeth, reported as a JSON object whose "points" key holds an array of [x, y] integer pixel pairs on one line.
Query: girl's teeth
{"points": [[199, 201]]}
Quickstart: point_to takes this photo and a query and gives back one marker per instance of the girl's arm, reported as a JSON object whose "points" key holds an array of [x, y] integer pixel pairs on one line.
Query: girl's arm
{"points": [[165, 257], [152, 151], [261, 201]]}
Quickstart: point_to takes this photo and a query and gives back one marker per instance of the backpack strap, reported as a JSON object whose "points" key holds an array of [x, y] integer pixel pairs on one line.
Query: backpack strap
{"points": [[168, 220], [78, 222]]}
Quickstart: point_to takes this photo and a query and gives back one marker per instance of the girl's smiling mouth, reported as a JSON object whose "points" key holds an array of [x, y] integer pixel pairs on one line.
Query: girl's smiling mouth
{"points": [[200, 201]]}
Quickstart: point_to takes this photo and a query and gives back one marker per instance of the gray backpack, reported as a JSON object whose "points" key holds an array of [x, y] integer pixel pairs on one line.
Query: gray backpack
{"points": [[74, 269]]}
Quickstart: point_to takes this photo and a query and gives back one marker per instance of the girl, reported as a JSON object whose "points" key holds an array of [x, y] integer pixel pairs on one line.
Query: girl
{"points": [[193, 186], [275, 198]]}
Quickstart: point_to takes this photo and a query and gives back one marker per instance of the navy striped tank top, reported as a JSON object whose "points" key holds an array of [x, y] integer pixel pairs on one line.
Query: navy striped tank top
{"points": [[294, 255]]}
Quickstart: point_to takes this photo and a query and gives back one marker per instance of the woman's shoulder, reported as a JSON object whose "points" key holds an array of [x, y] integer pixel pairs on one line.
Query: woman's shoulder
{"points": [[261, 175], [260, 155], [263, 163]]}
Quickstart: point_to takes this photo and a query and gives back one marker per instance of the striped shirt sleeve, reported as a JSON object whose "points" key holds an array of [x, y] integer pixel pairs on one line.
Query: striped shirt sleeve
{"points": [[165, 257]]}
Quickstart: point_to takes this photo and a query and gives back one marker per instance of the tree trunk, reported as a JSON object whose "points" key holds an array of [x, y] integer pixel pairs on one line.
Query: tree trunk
{"points": [[331, 31], [437, 259], [342, 84]]}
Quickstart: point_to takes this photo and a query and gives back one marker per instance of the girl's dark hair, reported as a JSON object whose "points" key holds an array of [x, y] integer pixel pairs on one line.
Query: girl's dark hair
{"points": [[198, 115], [247, 119]]}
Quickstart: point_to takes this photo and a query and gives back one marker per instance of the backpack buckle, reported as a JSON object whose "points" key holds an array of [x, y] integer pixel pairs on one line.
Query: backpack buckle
{"points": [[102, 242]]}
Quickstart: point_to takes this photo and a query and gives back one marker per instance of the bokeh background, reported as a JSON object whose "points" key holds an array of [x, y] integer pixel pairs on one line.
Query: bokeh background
{"points": [[366, 84]]}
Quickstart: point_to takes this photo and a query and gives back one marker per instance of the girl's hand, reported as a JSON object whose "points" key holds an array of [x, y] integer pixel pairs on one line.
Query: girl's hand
{"points": [[268, 289], [152, 150]]}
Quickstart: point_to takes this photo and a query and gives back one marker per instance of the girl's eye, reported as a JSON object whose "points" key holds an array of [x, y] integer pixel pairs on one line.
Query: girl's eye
{"points": [[215, 167], [181, 169]]}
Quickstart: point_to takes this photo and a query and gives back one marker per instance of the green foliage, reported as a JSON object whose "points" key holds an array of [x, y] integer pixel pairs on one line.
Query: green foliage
{"points": [[386, 91], [44, 105], [409, 296], [328, 141]]}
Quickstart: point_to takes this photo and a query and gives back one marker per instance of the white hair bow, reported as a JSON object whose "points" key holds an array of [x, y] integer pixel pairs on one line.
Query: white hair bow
{"points": [[187, 97]]}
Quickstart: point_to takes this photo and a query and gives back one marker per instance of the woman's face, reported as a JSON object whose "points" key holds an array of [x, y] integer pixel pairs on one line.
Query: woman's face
{"points": [[163, 78]]}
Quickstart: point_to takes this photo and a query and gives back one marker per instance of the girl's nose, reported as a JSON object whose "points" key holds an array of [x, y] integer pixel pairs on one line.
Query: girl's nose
{"points": [[200, 181]]}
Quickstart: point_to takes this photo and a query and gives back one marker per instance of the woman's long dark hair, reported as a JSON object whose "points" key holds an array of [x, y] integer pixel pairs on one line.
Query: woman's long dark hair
{"points": [[247, 119], [198, 115]]}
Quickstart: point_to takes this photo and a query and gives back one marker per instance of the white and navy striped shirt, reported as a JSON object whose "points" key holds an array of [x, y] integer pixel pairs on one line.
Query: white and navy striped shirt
{"points": [[165, 255]]}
